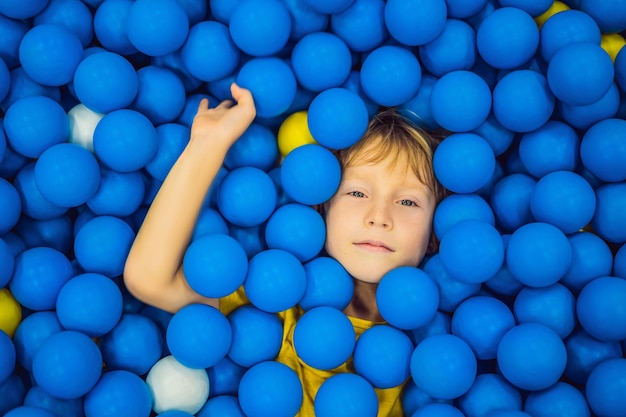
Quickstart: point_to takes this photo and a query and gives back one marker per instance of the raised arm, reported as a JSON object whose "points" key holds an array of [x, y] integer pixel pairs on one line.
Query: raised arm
{"points": [[153, 271]]}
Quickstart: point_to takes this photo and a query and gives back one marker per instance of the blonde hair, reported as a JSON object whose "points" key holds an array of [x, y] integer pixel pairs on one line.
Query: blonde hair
{"points": [[390, 134]]}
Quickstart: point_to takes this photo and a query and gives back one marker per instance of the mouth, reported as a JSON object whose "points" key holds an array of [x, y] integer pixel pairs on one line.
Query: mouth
{"points": [[373, 246]]}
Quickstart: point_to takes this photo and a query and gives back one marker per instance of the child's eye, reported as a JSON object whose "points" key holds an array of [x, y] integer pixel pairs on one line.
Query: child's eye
{"points": [[358, 194], [409, 203]]}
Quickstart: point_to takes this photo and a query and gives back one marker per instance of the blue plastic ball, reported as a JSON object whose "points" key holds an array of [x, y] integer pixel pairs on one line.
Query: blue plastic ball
{"points": [[119, 393], [390, 75], [256, 336], [29, 411], [591, 258], [443, 366], [270, 389], [250, 238], [565, 28], [361, 25], [538, 254], [7, 260], [12, 32], [40, 273], [460, 9], [608, 222], [472, 251], [119, 194], [221, 405], [272, 83], [74, 15], [601, 151], [67, 365], [510, 201], [8, 355], [324, 338], [209, 221], [464, 162], [310, 174], [451, 290], [328, 6], [100, 73], [24, 10], [224, 377], [583, 117], [305, 19], [135, 344], [11, 206], [562, 399], [608, 14], [382, 355], [276, 280], [453, 49], [563, 199], [260, 29], [161, 94], [209, 52], [418, 109], [49, 54], [320, 61], [22, 86], [158, 27], [215, 265], [598, 308], [407, 297], [456, 208], [552, 147], [438, 409], [619, 262], [461, 101], [346, 395], [553, 306], [337, 118], [580, 73], [89, 303], [297, 229], [256, 147], [402, 17], [499, 137], [198, 336], [482, 321], [327, 284], [507, 38], [31, 332], [246, 197], [110, 28], [125, 140], [67, 174], [30, 133], [531, 356], [523, 101], [102, 245], [620, 69], [490, 392], [585, 352], [171, 140], [606, 388], [38, 397]]}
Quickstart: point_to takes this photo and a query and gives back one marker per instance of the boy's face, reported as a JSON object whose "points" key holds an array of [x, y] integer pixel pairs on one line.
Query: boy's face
{"points": [[379, 219]]}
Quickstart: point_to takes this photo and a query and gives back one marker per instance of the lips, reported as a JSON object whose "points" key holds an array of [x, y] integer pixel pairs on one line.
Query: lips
{"points": [[373, 246]]}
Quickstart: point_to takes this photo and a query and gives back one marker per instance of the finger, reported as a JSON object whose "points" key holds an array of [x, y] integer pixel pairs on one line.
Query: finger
{"points": [[203, 104], [226, 104], [242, 95]]}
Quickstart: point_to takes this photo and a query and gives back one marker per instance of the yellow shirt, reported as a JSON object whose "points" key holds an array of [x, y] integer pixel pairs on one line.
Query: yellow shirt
{"points": [[389, 400]]}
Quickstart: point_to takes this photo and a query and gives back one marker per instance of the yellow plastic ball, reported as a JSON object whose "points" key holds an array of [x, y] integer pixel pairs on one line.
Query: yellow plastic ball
{"points": [[294, 132], [612, 43], [10, 312], [556, 7]]}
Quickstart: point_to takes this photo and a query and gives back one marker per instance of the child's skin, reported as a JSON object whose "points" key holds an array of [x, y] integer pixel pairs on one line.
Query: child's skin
{"points": [[379, 219]]}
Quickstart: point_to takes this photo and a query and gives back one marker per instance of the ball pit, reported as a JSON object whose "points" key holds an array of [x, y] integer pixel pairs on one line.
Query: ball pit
{"points": [[519, 311]]}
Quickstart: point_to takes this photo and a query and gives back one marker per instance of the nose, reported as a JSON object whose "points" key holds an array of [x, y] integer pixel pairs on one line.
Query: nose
{"points": [[379, 215]]}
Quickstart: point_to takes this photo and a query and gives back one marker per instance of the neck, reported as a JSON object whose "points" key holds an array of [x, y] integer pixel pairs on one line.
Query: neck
{"points": [[363, 304]]}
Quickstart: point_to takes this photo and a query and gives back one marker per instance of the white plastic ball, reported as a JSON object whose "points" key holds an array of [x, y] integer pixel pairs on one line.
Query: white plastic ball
{"points": [[83, 122], [176, 387]]}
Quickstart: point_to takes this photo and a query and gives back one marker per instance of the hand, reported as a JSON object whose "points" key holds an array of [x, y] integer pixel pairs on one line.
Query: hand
{"points": [[224, 124]]}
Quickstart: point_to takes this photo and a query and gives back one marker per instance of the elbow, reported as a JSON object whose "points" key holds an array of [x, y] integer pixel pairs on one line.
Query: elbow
{"points": [[134, 281]]}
